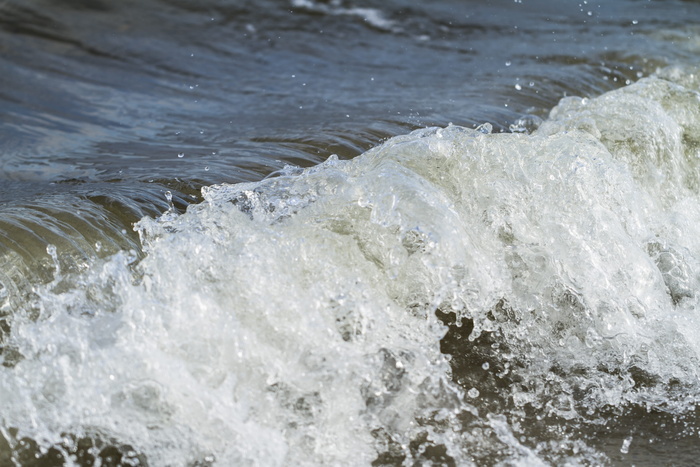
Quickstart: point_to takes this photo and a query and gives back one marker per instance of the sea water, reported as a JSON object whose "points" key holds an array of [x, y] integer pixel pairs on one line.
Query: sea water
{"points": [[349, 233]]}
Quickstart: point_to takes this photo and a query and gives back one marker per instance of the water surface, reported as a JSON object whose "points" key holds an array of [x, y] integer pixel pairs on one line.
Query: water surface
{"points": [[349, 232]]}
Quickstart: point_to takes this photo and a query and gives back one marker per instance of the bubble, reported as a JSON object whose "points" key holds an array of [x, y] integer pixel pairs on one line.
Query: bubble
{"points": [[485, 128], [525, 124]]}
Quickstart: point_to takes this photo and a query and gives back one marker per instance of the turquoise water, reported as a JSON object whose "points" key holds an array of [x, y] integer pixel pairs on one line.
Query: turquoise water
{"points": [[301, 233]]}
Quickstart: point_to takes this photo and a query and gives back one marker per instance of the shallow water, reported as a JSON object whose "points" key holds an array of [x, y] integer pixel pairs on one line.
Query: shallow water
{"points": [[355, 233]]}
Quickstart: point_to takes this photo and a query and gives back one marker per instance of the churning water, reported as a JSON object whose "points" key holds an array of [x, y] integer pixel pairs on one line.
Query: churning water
{"points": [[349, 233]]}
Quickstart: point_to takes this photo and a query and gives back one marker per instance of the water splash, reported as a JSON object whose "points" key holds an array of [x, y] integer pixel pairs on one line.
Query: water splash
{"points": [[444, 297]]}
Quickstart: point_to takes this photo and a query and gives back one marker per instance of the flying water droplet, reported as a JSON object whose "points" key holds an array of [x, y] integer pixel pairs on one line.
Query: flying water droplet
{"points": [[625, 448]]}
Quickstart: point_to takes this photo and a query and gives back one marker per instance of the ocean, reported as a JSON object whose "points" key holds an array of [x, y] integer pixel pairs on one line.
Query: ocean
{"points": [[349, 232]]}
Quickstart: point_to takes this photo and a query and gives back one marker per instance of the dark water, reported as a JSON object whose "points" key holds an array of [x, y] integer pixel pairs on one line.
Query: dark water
{"points": [[475, 315]]}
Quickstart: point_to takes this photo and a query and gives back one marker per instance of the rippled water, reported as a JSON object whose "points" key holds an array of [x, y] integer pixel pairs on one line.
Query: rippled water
{"points": [[345, 232]]}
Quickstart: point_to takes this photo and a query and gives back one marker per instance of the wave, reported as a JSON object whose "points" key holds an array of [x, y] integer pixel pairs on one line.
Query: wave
{"points": [[453, 295]]}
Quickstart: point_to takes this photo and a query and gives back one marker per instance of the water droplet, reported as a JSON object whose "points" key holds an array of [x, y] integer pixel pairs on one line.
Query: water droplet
{"points": [[181, 155], [485, 366], [169, 196], [625, 448], [206, 169], [518, 87], [508, 63], [473, 393]]}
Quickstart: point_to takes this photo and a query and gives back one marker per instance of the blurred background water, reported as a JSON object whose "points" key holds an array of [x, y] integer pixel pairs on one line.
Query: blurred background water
{"points": [[94, 91]]}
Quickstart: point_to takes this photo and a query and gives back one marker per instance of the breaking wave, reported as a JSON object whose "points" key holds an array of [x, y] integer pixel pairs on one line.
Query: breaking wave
{"points": [[453, 295]]}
